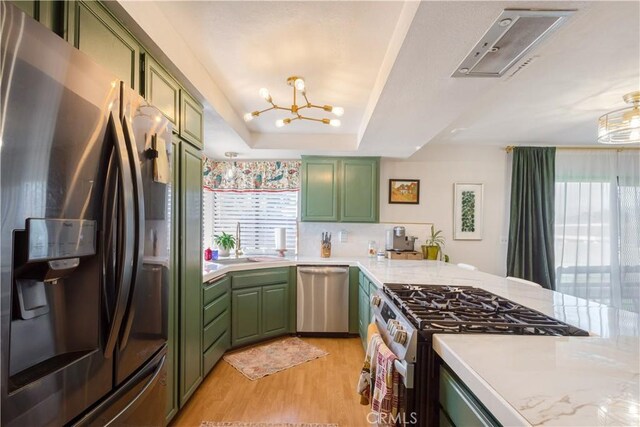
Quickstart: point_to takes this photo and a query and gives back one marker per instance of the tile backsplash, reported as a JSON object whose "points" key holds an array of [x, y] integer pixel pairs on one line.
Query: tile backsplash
{"points": [[358, 236]]}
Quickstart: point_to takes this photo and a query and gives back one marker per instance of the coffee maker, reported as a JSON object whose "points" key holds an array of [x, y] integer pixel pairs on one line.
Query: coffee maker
{"points": [[398, 241]]}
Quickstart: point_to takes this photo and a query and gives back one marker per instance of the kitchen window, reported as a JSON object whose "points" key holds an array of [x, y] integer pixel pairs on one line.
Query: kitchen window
{"points": [[260, 195], [259, 214]]}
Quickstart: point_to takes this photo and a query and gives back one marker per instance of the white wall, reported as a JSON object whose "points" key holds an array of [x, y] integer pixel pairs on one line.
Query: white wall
{"points": [[438, 167]]}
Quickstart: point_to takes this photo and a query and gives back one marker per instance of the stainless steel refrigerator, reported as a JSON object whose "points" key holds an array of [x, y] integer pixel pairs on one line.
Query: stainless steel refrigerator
{"points": [[85, 215]]}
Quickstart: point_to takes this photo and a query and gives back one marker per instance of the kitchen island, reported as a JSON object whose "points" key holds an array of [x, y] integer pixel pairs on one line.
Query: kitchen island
{"points": [[524, 380]]}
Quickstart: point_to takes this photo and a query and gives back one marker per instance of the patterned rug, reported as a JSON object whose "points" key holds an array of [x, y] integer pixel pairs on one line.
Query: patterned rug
{"points": [[260, 361], [241, 424]]}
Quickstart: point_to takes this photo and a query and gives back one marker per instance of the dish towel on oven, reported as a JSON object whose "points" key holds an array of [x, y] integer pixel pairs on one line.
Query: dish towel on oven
{"points": [[384, 402], [367, 374]]}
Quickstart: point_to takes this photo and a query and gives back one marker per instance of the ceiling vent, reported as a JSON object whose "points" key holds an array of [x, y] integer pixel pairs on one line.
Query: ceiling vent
{"points": [[514, 34]]}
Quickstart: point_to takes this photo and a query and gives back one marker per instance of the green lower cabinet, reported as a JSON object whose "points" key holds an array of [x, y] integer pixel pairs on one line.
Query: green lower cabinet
{"points": [[364, 315], [354, 303], [459, 407], [275, 313], [246, 315], [261, 305]]}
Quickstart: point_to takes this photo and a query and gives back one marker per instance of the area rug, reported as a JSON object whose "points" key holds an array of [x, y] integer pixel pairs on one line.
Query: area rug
{"points": [[260, 361], [241, 424]]}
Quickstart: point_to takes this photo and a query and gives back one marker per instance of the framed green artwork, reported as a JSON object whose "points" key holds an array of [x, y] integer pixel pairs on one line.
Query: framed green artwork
{"points": [[467, 211]]}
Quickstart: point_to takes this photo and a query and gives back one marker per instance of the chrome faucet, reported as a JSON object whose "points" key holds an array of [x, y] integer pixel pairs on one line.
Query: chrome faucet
{"points": [[238, 251]]}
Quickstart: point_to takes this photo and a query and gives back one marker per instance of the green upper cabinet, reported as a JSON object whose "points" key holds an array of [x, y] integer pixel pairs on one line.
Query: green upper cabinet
{"points": [[99, 35], [359, 192], [48, 13], [320, 189], [161, 90], [191, 119], [340, 189]]}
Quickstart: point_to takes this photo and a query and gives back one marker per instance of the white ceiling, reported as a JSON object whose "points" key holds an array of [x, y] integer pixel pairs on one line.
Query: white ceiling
{"points": [[391, 70]]}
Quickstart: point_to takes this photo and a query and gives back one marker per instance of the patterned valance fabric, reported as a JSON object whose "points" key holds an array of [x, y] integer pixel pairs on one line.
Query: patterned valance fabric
{"points": [[251, 175]]}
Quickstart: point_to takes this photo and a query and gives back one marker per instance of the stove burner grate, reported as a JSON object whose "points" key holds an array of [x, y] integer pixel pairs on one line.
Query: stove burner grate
{"points": [[465, 309]]}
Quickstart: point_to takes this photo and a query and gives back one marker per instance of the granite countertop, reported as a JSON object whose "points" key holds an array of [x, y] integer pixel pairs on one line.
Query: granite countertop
{"points": [[523, 380]]}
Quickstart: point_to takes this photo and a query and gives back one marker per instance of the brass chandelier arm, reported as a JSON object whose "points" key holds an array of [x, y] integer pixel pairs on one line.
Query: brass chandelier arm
{"points": [[314, 119]]}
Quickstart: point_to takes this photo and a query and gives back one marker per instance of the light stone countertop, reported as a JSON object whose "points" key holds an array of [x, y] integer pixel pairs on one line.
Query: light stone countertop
{"points": [[524, 380]]}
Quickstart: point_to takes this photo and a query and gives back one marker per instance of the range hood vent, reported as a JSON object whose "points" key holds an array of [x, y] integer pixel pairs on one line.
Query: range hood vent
{"points": [[514, 34]]}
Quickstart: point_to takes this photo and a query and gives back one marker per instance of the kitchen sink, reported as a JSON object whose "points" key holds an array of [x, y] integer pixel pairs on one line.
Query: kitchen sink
{"points": [[231, 261]]}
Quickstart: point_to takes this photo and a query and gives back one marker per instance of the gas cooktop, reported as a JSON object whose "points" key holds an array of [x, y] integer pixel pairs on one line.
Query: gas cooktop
{"points": [[465, 309]]}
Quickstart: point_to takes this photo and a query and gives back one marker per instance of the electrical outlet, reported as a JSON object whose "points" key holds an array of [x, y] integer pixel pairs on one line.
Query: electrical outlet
{"points": [[343, 235]]}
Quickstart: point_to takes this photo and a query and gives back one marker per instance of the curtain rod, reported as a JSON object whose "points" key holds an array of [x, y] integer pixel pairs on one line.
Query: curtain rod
{"points": [[509, 148]]}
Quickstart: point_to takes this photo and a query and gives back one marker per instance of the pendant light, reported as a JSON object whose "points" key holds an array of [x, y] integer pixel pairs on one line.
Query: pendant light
{"points": [[621, 126], [231, 169]]}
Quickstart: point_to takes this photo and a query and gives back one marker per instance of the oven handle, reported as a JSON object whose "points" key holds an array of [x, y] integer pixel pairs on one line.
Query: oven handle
{"points": [[405, 370]]}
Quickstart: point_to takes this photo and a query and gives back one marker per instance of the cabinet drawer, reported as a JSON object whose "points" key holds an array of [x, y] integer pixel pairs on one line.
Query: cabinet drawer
{"points": [[215, 352], [215, 329], [260, 278], [213, 290], [216, 308], [460, 405]]}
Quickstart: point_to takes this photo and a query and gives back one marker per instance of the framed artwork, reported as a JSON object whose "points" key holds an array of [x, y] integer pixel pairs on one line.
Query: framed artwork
{"points": [[467, 211], [404, 191]]}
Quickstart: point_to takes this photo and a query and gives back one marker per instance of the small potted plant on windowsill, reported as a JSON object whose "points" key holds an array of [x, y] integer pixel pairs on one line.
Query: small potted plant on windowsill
{"points": [[433, 247], [225, 243]]}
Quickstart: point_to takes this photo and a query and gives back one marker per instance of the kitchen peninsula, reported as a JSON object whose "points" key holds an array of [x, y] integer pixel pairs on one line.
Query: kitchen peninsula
{"points": [[522, 380]]}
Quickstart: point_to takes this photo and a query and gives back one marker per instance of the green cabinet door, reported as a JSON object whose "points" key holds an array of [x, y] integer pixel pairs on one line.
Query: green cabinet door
{"points": [[161, 90], [191, 119], [359, 192], [354, 303], [99, 35], [174, 296], [246, 316], [364, 316], [275, 310], [191, 270], [48, 13], [320, 177]]}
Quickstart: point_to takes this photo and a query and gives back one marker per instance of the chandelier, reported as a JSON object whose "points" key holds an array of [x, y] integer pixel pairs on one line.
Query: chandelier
{"points": [[621, 126], [298, 85]]}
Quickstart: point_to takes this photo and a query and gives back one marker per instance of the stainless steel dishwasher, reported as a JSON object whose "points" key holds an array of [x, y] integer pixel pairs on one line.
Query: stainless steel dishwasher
{"points": [[323, 299]]}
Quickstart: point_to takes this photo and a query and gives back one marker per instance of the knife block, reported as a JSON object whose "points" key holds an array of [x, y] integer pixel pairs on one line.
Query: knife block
{"points": [[325, 250]]}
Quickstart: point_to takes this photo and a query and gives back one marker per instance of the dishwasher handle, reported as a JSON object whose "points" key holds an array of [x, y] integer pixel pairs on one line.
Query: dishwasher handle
{"points": [[323, 270]]}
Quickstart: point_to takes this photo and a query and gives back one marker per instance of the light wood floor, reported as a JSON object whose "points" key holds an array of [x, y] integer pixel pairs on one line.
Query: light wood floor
{"points": [[319, 391]]}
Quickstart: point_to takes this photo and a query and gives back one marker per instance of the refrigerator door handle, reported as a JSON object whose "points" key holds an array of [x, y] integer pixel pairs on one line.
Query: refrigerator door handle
{"points": [[125, 233], [139, 234]]}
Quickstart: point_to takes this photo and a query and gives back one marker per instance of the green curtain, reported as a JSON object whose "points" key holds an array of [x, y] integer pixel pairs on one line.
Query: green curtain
{"points": [[531, 220]]}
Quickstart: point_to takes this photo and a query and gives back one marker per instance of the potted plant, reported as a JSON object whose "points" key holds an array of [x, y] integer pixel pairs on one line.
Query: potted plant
{"points": [[434, 245], [225, 243]]}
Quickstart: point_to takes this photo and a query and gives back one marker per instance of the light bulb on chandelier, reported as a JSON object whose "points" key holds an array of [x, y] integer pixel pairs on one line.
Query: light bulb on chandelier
{"points": [[298, 85]]}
